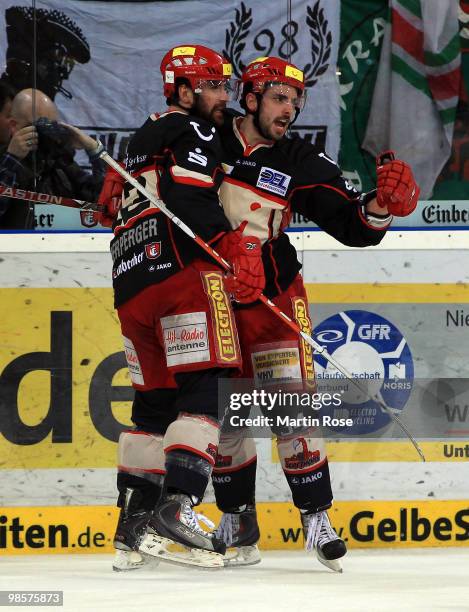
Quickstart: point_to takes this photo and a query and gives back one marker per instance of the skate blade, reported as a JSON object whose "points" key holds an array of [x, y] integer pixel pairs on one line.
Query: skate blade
{"points": [[333, 564], [170, 552], [242, 556], [128, 560]]}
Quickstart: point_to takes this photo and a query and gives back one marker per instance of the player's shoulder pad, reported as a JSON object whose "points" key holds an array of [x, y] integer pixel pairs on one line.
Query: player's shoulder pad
{"points": [[142, 146], [171, 131], [310, 161], [165, 128], [191, 129]]}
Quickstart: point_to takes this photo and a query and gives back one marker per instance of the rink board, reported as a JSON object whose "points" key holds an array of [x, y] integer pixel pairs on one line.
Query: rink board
{"points": [[73, 419], [66, 451], [371, 524]]}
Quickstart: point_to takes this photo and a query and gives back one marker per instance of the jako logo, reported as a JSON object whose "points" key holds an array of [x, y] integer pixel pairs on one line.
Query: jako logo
{"points": [[273, 181], [221, 479], [306, 479]]}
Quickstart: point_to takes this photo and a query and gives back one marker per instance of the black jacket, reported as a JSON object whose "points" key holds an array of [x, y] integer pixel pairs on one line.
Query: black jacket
{"points": [[56, 174]]}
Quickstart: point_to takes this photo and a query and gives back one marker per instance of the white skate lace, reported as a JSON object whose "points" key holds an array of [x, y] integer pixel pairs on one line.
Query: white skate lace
{"points": [[229, 524], [320, 531], [191, 519]]}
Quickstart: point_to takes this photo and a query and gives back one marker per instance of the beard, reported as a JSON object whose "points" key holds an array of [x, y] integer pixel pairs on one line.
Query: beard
{"points": [[214, 113], [274, 129]]}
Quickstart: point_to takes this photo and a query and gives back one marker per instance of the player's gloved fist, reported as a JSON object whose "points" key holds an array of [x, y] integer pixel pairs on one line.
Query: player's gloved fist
{"points": [[110, 197], [247, 281], [396, 187]]}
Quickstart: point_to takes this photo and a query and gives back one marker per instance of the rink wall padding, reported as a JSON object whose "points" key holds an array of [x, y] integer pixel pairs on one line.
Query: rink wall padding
{"points": [[65, 394], [66, 391], [372, 524]]}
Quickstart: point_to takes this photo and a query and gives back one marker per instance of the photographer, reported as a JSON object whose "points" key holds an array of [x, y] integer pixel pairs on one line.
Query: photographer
{"points": [[39, 157]]}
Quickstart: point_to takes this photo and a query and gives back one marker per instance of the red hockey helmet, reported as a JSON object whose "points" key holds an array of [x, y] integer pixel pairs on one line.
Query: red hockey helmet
{"points": [[195, 63], [266, 71]]}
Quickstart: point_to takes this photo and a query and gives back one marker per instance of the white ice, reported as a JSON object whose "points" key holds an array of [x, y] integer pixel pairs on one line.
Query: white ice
{"points": [[373, 581]]}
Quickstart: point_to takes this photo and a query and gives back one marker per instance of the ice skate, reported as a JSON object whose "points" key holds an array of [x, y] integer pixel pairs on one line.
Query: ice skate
{"points": [[240, 532], [321, 537], [175, 535], [133, 520]]}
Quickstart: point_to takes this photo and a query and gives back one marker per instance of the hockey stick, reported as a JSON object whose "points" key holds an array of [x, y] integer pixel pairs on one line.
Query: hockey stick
{"points": [[45, 198], [377, 397]]}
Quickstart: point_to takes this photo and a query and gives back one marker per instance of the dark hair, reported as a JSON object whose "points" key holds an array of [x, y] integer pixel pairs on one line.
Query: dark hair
{"points": [[7, 92], [174, 99], [247, 88]]}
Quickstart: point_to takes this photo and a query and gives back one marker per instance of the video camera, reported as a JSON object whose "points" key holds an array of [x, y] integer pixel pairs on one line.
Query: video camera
{"points": [[51, 132]]}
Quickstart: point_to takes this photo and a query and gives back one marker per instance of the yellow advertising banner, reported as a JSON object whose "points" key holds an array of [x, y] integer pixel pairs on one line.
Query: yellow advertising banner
{"points": [[363, 524], [64, 382], [65, 391]]}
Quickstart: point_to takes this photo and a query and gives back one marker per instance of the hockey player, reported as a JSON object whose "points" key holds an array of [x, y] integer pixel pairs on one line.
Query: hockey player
{"points": [[269, 177], [175, 315]]}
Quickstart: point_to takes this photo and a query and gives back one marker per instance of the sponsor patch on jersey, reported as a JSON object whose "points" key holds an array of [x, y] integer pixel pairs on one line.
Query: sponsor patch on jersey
{"points": [[224, 331], [185, 338], [127, 264], [133, 363], [273, 180], [196, 157], [302, 457], [223, 460], [200, 134], [276, 363], [153, 250], [301, 316], [133, 237]]}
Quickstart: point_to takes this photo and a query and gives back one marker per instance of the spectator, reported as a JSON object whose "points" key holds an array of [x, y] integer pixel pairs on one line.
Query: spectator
{"points": [[39, 157], [7, 93]]}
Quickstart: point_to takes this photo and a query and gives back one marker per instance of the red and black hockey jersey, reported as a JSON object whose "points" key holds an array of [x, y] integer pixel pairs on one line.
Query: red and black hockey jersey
{"points": [[266, 183], [177, 158]]}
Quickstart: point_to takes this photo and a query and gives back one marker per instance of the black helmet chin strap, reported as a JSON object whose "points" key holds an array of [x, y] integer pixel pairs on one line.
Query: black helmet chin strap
{"points": [[297, 112]]}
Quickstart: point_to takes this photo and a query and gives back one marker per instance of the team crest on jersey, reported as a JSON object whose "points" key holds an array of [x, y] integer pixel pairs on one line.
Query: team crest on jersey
{"points": [[273, 180], [153, 250]]}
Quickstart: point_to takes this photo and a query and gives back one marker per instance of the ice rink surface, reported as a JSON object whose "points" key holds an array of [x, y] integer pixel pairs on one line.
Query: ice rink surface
{"points": [[413, 580]]}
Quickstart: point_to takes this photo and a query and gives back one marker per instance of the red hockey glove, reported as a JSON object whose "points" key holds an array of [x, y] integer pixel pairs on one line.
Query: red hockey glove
{"points": [[396, 186], [245, 255], [110, 197]]}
